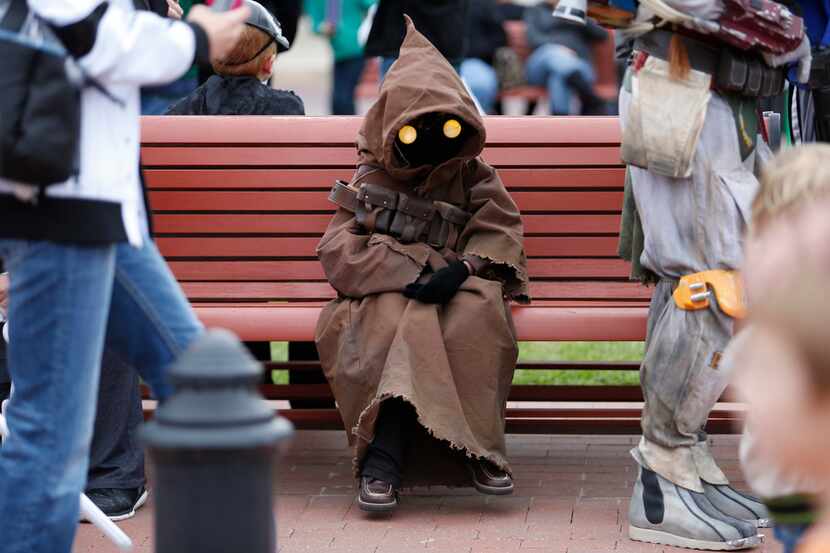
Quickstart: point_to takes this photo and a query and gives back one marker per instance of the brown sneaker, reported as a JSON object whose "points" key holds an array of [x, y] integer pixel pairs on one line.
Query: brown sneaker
{"points": [[376, 496], [489, 479]]}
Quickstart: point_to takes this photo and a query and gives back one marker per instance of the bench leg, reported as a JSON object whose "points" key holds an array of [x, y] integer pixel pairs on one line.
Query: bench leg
{"points": [[306, 351]]}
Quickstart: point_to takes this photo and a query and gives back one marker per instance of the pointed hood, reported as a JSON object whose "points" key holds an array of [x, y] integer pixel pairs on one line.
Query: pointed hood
{"points": [[421, 81]]}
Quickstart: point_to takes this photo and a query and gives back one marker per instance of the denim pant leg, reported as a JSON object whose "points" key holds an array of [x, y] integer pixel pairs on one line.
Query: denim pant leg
{"points": [[59, 299], [550, 66], [116, 458], [346, 78], [151, 321], [483, 82]]}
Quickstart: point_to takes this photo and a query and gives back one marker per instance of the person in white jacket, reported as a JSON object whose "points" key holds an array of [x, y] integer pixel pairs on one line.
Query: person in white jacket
{"points": [[82, 266]]}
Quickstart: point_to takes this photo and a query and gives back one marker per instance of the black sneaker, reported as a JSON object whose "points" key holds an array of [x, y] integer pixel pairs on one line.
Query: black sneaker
{"points": [[118, 504]]}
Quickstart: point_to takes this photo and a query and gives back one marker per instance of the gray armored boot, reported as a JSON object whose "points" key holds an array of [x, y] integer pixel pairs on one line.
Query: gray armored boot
{"points": [[665, 513], [730, 501]]}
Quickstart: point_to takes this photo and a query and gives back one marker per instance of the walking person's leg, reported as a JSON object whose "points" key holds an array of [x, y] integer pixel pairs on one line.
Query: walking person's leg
{"points": [[151, 322], [347, 75], [483, 82], [59, 299], [116, 482]]}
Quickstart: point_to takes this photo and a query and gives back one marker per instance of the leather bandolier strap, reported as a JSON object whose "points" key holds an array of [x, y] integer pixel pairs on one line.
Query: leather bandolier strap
{"points": [[732, 72], [405, 217]]}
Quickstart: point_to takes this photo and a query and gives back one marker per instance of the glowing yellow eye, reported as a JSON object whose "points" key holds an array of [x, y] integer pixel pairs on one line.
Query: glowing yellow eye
{"points": [[407, 134], [452, 128]]}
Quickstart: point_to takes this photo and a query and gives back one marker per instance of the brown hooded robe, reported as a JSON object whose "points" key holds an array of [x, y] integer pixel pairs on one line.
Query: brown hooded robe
{"points": [[454, 363]]}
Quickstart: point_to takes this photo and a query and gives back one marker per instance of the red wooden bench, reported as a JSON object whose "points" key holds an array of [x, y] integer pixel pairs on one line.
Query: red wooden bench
{"points": [[241, 202]]}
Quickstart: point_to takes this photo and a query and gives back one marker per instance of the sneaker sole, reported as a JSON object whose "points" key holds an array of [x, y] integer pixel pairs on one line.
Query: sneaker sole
{"points": [[376, 507], [142, 499], [492, 490], [664, 538]]}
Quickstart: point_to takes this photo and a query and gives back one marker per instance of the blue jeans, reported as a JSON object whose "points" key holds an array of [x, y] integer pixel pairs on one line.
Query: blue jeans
{"points": [[66, 301], [346, 77], [550, 66], [790, 535], [483, 82]]}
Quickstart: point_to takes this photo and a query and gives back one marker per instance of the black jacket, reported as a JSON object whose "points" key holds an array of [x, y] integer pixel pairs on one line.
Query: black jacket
{"points": [[237, 96], [441, 21], [485, 30]]}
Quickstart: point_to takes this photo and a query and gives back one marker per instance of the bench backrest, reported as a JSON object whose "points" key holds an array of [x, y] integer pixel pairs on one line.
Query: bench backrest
{"points": [[241, 202]]}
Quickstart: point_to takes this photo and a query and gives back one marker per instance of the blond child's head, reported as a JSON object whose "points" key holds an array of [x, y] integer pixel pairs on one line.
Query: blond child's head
{"points": [[795, 177]]}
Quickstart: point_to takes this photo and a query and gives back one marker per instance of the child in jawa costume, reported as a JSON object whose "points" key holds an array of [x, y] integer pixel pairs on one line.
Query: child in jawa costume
{"points": [[425, 252]]}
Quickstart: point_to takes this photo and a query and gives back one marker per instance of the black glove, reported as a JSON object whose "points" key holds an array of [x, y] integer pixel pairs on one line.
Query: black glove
{"points": [[442, 286]]}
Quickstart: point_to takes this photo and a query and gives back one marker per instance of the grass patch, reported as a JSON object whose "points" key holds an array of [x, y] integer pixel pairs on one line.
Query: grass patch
{"points": [[545, 351], [579, 351]]}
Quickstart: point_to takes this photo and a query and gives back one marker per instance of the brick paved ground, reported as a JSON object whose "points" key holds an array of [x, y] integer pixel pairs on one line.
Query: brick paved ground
{"points": [[571, 497]]}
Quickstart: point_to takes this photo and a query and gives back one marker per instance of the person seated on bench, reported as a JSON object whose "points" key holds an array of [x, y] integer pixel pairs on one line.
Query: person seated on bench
{"points": [[562, 60], [239, 88], [425, 251]]}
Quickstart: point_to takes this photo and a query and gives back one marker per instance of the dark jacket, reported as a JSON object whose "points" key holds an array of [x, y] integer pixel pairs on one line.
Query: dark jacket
{"points": [[485, 30], [441, 21], [543, 28], [237, 96]]}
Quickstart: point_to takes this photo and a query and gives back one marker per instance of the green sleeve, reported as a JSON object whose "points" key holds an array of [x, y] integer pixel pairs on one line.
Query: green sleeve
{"points": [[316, 10]]}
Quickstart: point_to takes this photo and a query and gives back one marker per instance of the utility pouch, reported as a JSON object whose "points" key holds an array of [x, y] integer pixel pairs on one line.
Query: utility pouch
{"points": [[732, 72], [665, 119], [412, 219], [695, 291], [754, 78], [375, 207], [446, 228]]}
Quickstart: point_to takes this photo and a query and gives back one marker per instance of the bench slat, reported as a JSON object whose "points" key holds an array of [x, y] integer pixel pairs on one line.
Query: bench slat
{"points": [[539, 421], [318, 178], [224, 224], [333, 156], [533, 322], [282, 271], [580, 246], [202, 291], [322, 130]]}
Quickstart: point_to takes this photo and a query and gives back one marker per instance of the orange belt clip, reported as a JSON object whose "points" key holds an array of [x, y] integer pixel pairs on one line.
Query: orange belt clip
{"points": [[694, 292]]}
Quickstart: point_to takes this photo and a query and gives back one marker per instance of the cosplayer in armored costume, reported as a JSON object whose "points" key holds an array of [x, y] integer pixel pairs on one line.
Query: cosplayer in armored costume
{"points": [[425, 252], [692, 140]]}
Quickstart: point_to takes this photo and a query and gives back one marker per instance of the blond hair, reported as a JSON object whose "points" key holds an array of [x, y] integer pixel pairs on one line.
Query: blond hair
{"points": [[794, 177], [241, 61]]}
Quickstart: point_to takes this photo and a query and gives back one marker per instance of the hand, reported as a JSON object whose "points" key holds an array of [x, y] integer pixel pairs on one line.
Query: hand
{"points": [[442, 286], [223, 28], [803, 55], [174, 10], [4, 292]]}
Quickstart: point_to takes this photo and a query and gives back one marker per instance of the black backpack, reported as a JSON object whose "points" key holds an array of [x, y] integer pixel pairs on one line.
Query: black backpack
{"points": [[40, 106]]}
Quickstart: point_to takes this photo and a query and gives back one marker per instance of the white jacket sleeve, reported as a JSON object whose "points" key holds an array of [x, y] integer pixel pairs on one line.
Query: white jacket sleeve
{"points": [[129, 47]]}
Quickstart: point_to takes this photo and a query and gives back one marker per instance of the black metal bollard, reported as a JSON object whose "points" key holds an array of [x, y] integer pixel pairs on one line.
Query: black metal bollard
{"points": [[212, 446]]}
